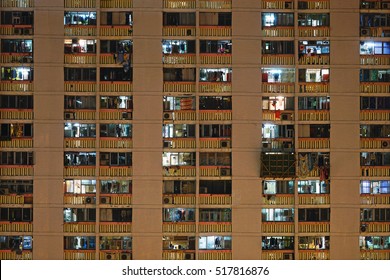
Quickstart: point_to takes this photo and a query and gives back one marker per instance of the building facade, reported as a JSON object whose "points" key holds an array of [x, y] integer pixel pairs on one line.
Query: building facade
{"points": [[191, 129]]}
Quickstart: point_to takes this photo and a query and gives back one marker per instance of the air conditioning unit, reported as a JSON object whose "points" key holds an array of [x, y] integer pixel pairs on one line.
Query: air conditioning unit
{"points": [[288, 256], [189, 256], [127, 116], [225, 143], [168, 200], [365, 32], [125, 256], [286, 116], [288, 5], [225, 172], [18, 31], [386, 144], [189, 32], [167, 144], [89, 200], [363, 228], [27, 31], [168, 116], [109, 257], [69, 116], [105, 200]]}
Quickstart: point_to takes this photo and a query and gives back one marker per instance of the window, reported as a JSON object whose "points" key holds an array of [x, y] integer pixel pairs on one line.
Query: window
{"points": [[80, 18], [377, 4], [215, 215], [178, 159], [313, 47], [115, 159], [17, 73], [178, 46], [16, 101], [215, 19], [215, 102], [173, 103], [313, 20], [115, 243], [215, 159], [116, 46], [374, 103], [120, 130], [79, 158], [277, 214], [277, 19], [277, 243], [79, 46], [178, 19], [79, 74], [374, 48], [215, 75], [116, 102], [216, 46], [374, 242], [278, 187], [116, 215], [16, 130], [178, 215], [314, 130], [179, 187], [16, 158], [215, 243], [375, 215], [374, 159], [79, 130], [276, 103], [16, 243], [215, 130], [215, 187], [375, 75], [273, 131], [374, 20], [124, 73], [313, 187], [79, 102], [179, 74], [16, 214], [313, 243], [374, 187], [314, 215], [314, 103], [278, 75], [178, 130], [79, 242], [375, 131], [116, 186], [17, 46], [313, 75], [116, 18], [18, 187], [178, 242], [74, 186], [17, 18], [277, 47], [73, 215]]}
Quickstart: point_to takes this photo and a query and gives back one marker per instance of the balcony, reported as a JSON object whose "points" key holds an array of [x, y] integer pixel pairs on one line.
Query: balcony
{"points": [[116, 86], [277, 255], [79, 114], [17, 142], [81, 58], [178, 227], [185, 58], [314, 199], [323, 59], [278, 87], [78, 199], [313, 227], [367, 87], [375, 115], [215, 143], [116, 199], [115, 171], [278, 31], [275, 4], [23, 58], [180, 115], [24, 30], [80, 86], [79, 254], [179, 171], [278, 59], [179, 31], [375, 254], [215, 31], [182, 87], [309, 31], [116, 143], [16, 114], [315, 4], [215, 199], [80, 227], [205, 227], [218, 59], [179, 4], [115, 255], [179, 199], [178, 254], [277, 227], [16, 4], [313, 255], [314, 87], [116, 3], [71, 171], [214, 255], [16, 227], [179, 143], [206, 87], [16, 199], [214, 115], [374, 59], [374, 143], [79, 142], [381, 199], [16, 86], [215, 4], [313, 143], [372, 227], [12, 255], [116, 30], [272, 115], [80, 3], [21, 170], [313, 115], [278, 199], [75, 30], [114, 227], [382, 31], [375, 171]]}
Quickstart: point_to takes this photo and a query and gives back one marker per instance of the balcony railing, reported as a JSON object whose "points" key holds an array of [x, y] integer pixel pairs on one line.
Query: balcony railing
{"points": [[107, 58], [179, 227], [17, 143], [280, 31], [80, 3], [179, 87], [116, 143], [214, 227], [278, 87], [374, 143], [117, 31], [80, 86], [16, 86], [185, 58], [116, 199], [215, 87], [374, 87], [23, 58], [76, 30], [115, 227], [375, 254], [79, 114], [17, 170], [182, 115], [179, 199], [375, 115], [272, 115], [79, 255], [212, 58], [116, 171], [278, 199], [215, 255], [313, 143], [277, 255], [79, 142], [211, 115], [277, 227], [323, 59], [79, 58], [313, 227], [116, 3], [115, 255], [383, 199], [313, 115], [314, 87], [80, 227], [180, 143], [372, 227], [374, 59], [179, 31], [16, 199], [215, 143], [313, 254], [309, 31], [375, 171], [16, 114], [215, 31], [215, 171], [19, 30], [178, 254], [79, 199], [179, 171], [375, 31], [278, 59], [179, 4], [116, 86], [215, 4], [314, 199], [12, 255], [277, 4], [215, 199], [79, 171], [16, 227], [16, 4], [317, 4]]}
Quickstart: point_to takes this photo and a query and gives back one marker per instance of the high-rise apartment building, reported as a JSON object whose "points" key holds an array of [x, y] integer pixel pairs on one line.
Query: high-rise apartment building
{"points": [[193, 129]]}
